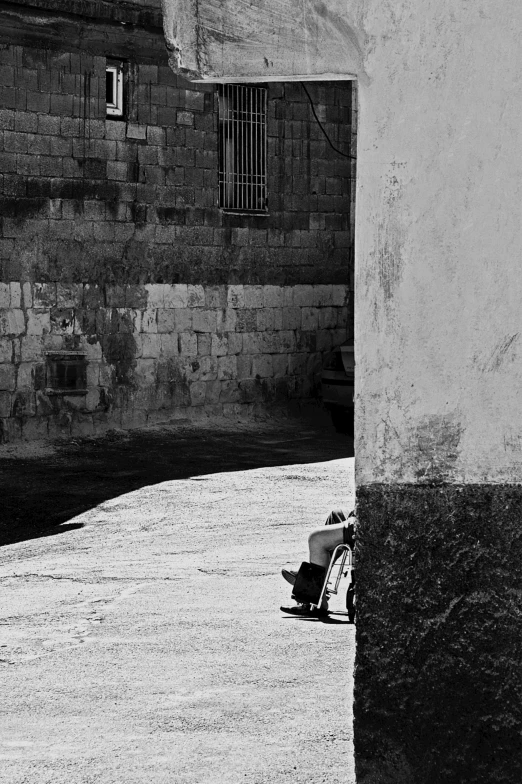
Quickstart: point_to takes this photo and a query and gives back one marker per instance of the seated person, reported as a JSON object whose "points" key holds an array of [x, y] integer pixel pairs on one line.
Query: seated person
{"points": [[338, 529]]}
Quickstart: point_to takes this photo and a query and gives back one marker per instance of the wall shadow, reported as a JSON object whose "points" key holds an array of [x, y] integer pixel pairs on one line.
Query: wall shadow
{"points": [[38, 496]]}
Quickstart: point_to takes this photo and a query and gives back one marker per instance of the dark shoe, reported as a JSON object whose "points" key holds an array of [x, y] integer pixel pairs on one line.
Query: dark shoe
{"points": [[289, 575], [306, 611]]}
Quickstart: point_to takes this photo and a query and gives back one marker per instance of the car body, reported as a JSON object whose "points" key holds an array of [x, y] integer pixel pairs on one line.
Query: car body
{"points": [[337, 386]]}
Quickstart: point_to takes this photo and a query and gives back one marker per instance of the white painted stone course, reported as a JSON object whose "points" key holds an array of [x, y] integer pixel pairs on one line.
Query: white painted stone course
{"points": [[220, 348]]}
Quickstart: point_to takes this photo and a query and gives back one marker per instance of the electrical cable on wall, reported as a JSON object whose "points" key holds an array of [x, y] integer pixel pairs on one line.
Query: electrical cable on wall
{"points": [[352, 157]]}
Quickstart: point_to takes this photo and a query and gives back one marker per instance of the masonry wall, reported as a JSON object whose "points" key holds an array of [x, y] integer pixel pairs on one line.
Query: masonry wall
{"points": [[96, 212]]}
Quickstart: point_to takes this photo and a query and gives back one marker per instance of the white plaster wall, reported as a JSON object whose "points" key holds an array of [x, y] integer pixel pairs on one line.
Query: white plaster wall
{"points": [[438, 287], [438, 241]]}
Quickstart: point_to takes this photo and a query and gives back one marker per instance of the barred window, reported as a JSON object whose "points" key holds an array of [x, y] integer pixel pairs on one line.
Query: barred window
{"points": [[66, 373], [242, 148]]}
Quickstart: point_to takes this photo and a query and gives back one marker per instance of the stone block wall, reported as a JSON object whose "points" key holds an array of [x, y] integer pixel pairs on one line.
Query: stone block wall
{"points": [[113, 243], [158, 352]]}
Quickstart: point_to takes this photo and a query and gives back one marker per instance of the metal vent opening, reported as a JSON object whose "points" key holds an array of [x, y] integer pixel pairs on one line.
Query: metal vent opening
{"points": [[242, 148], [66, 373]]}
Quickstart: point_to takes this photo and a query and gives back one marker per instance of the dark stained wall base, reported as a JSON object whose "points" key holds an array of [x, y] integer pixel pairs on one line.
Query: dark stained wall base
{"points": [[438, 681]]}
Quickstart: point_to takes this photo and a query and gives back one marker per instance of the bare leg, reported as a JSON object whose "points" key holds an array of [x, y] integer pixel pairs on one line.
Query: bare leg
{"points": [[322, 541]]}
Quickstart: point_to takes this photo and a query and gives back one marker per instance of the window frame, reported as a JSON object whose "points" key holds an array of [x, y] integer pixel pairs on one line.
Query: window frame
{"points": [[115, 109]]}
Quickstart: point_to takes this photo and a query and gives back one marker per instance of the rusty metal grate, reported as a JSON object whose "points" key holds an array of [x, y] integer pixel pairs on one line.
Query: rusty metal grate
{"points": [[242, 148]]}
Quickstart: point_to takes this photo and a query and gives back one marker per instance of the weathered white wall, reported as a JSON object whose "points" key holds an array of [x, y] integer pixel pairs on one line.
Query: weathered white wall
{"points": [[438, 239]]}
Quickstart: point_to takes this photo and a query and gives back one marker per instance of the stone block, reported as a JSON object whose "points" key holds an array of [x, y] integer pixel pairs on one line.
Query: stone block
{"points": [[27, 292], [244, 366], [5, 404], [303, 295], [25, 375], [323, 295], [273, 297], [92, 348], [204, 344], [208, 368], [136, 297], [105, 374], [53, 342], [195, 296], [251, 343], [292, 318], [38, 321], [280, 365], [324, 341], [145, 371], [227, 368], [235, 343], [340, 295], [253, 296], [5, 296], [15, 291], [169, 345], [230, 392], [204, 320], [342, 317], [198, 390], [188, 344], [115, 297], [226, 319], [176, 296], [288, 296], [309, 318], [265, 319], [174, 320], [69, 295], [236, 297], [250, 391], [306, 341], [7, 378], [150, 346], [215, 297], [12, 322], [149, 322], [277, 314], [6, 350], [93, 374], [10, 430], [338, 337], [92, 297], [155, 295], [213, 392], [44, 295], [246, 320], [327, 318], [262, 366], [219, 345], [285, 341], [297, 364], [62, 321]]}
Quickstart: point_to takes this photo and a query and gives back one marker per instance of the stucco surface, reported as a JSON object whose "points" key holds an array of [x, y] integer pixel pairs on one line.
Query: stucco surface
{"points": [[438, 687]]}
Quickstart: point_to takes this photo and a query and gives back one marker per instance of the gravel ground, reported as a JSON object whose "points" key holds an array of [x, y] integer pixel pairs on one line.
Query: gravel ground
{"points": [[144, 643]]}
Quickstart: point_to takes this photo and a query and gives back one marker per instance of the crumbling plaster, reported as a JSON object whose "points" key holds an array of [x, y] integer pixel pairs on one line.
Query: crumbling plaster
{"points": [[438, 223]]}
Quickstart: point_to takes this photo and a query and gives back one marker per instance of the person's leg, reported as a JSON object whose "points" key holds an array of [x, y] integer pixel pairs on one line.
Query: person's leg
{"points": [[322, 541]]}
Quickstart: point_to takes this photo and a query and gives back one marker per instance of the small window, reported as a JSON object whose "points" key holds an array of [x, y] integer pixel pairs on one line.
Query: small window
{"points": [[66, 373], [242, 148], [114, 89]]}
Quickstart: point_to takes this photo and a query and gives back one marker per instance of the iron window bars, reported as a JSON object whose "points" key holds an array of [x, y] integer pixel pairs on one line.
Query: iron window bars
{"points": [[242, 148]]}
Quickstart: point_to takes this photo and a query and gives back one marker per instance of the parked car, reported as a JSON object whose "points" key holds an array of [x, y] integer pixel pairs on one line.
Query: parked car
{"points": [[337, 386]]}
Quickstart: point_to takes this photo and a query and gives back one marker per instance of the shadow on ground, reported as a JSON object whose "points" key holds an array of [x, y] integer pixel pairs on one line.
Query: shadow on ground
{"points": [[39, 495]]}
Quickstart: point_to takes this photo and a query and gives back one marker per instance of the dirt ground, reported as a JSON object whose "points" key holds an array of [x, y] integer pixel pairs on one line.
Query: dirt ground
{"points": [[141, 637]]}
